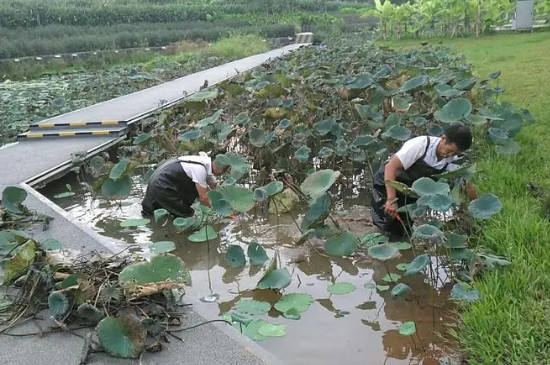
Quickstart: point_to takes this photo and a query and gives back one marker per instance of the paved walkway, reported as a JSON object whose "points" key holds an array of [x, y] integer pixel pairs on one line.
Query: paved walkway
{"points": [[22, 162]]}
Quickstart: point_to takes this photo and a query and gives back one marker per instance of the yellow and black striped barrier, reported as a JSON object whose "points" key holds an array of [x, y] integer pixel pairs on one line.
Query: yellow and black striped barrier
{"points": [[99, 132], [79, 124]]}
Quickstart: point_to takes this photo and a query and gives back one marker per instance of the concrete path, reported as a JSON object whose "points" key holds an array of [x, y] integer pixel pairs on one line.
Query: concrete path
{"points": [[26, 163]]}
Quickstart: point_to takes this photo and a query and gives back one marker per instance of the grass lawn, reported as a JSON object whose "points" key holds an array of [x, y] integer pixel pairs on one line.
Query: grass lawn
{"points": [[511, 324]]}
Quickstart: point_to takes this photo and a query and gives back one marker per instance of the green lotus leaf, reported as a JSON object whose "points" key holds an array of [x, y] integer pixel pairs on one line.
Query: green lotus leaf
{"points": [[402, 188], [324, 127], [242, 119], [90, 313], [383, 287], [142, 138], [407, 329], [391, 278], [274, 187], [428, 232], [240, 199], [342, 245], [123, 337], [219, 204], [319, 182], [252, 307], [58, 304], [362, 81], [447, 91], [383, 252], [160, 213], [400, 289], [184, 223], [260, 195], [454, 110], [51, 244], [209, 120], [415, 83], [427, 186], [284, 123], [491, 261], [223, 131], [461, 254], [341, 288], [292, 313], [510, 147], [484, 207], [398, 132], [402, 266], [441, 202], [435, 130], [317, 213], [456, 240], [252, 328], [465, 84], [401, 246], [363, 141], [257, 137], [371, 239], [276, 279], [302, 154], [20, 262], [256, 254], [498, 135], [235, 256], [163, 268], [420, 121], [239, 165], [370, 286], [204, 234], [203, 95], [419, 263], [162, 246], [190, 135], [460, 292], [9, 239], [135, 222], [298, 301], [120, 169], [271, 330], [118, 189], [12, 197]]}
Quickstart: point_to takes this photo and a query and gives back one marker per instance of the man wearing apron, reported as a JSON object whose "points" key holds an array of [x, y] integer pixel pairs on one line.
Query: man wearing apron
{"points": [[177, 182], [423, 156]]}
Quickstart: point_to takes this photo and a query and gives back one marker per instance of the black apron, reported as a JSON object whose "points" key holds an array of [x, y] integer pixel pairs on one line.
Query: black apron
{"points": [[408, 177], [170, 188]]}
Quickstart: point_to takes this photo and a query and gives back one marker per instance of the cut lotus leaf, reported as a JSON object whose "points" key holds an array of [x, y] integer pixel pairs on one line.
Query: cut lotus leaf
{"points": [[428, 232], [276, 279], [292, 313], [12, 197], [302, 154], [209, 120], [456, 240], [184, 223], [256, 254], [484, 207], [9, 239], [427, 186], [90, 313], [190, 135], [400, 289], [341, 245], [135, 222], [123, 337], [240, 199], [402, 266], [510, 147], [120, 169], [219, 204], [204, 234], [402, 188], [371, 239], [163, 269], [398, 132], [391, 278], [252, 328], [401, 246], [383, 252], [58, 304], [298, 301], [319, 182], [252, 307], [118, 189], [274, 187], [441, 202], [257, 137], [407, 329], [20, 262], [162, 246], [142, 138], [235, 256], [383, 287], [454, 110], [415, 83], [460, 292], [341, 288], [317, 213], [160, 213], [419, 263]]}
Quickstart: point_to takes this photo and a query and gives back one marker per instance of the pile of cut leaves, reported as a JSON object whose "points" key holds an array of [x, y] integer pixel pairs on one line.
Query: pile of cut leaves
{"points": [[133, 306]]}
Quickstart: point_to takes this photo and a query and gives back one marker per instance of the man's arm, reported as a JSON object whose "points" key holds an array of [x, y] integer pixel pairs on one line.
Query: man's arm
{"points": [[203, 198], [390, 173]]}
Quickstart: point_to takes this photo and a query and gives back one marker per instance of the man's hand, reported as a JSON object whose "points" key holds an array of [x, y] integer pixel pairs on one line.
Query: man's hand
{"points": [[391, 208]]}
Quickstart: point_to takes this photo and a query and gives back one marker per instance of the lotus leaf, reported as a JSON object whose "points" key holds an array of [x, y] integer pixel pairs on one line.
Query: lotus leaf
{"points": [[485, 206], [252, 328], [317, 212], [256, 254], [204, 234], [454, 110], [135, 222], [260, 195], [12, 197], [274, 187], [292, 313], [142, 138], [160, 213], [275, 279], [456, 240], [66, 194], [341, 245], [401, 246], [341, 288], [400, 289], [162, 269], [383, 252], [371, 239], [420, 121], [324, 127], [51, 244], [435, 130], [362, 81], [122, 337], [120, 169], [284, 202], [498, 134], [242, 119], [271, 330], [440, 202], [284, 123], [298, 301], [209, 120], [190, 135], [19, 263], [428, 232], [162, 246], [302, 154], [419, 263], [415, 83], [219, 204], [391, 278], [203, 95], [58, 304], [252, 307], [427, 186], [235, 256], [370, 286], [510, 147], [117, 189], [90, 313], [460, 292], [257, 137], [240, 199], [407, 329], [383, 287], [319, 182], [184, 223], [402, 266], [239, 165], [398, 132]]}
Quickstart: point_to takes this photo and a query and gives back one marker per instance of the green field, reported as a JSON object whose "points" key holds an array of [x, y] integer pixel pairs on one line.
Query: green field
{"points": [[510, 324]]}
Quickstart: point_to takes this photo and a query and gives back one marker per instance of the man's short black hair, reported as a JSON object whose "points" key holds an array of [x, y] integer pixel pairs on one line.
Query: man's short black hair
{"points": [[459, 134]]}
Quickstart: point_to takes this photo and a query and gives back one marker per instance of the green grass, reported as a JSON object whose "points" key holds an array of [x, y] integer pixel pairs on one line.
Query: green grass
{"points": [[238, 46], [511, 324]]}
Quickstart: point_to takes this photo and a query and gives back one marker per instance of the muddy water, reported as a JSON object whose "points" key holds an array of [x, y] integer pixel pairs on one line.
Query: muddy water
{"points": [[357, 328]]}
